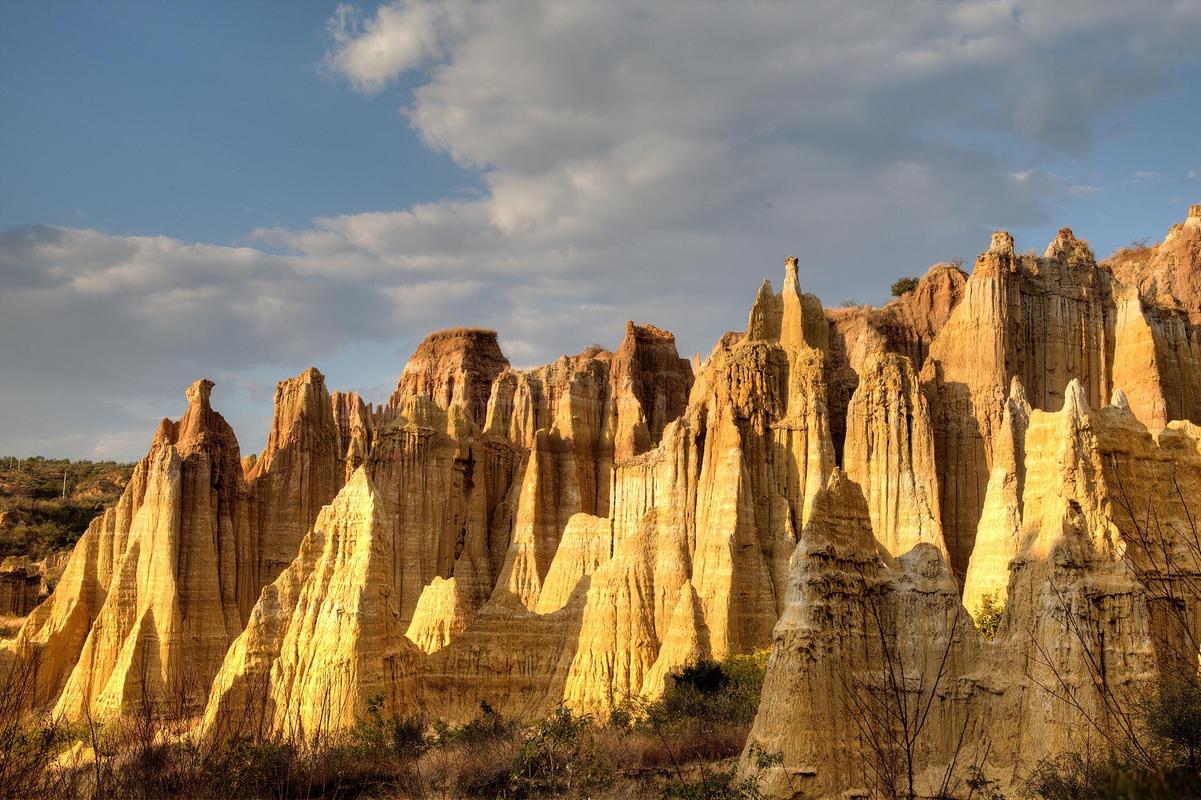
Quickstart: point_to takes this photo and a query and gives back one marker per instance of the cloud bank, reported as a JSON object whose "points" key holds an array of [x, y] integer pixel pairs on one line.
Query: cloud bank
{"points": [[646, 161]]}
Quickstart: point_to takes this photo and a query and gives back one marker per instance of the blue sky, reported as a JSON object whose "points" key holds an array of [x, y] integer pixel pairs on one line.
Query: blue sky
{"points": [[241, 190], [201, 121]]}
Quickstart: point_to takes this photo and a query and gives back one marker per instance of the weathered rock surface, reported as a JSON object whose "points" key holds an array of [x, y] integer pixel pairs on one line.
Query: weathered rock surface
{"points": [[298, 473], [890, 454], [1078, 616], [574, 533], [906, 326], [454, 367], [326, 637], [1169, 272], [20, 586], [861, 640], [157, 587]]}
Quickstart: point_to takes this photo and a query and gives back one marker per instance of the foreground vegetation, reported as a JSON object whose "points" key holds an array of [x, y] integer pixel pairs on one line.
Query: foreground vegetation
{"points": [[681, 747]]}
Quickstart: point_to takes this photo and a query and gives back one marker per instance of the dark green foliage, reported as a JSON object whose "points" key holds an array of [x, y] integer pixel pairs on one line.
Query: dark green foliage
{"points": [[486, 727], [561, 757], [1073, 776], [726, 784], [723, 784], [712, 694], [903, 286], [706, 677]]}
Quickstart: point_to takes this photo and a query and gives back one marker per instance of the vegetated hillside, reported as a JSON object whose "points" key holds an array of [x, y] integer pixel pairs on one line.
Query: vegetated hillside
{"points": [[38, 516]]}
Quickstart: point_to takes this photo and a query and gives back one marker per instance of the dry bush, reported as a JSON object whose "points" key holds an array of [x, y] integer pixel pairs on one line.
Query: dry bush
{"points": [[153, 751]]}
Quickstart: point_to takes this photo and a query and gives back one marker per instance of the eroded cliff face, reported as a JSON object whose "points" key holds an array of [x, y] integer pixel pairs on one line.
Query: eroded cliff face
{"points": [[905, 326], [157, 587], [688, 553], [864, 642], [326, 636], [1169, 272], [1045, 321], [1078, 617], [890, 454], [574, 533], [298, 473]]}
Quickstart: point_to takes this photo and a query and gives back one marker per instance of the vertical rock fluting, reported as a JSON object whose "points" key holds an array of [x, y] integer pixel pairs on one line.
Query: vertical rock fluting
{"points": [[20, 586], [326, 637], [1045, 320], [648, 368], [299, 472], [860, 642], [1080, 637], [573, 533], [692, 555], [1077, 640], [354, 423], [153, 593], [998, 535], [453, 367], [906, 326], [890, 454], [1158, 358], [1168, 273]]}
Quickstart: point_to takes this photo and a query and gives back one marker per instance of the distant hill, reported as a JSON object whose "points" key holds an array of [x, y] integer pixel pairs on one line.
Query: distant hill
{"points": [[46, 504]]}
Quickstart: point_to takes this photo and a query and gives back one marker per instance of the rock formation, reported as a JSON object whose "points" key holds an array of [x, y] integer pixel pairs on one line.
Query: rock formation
{"points": [[906, 326], [862, 640], [298, 473], [326, 636], [20, 586], [1170, 272], [890, 454], [156, 589], [843, 486], [1078, 617]]}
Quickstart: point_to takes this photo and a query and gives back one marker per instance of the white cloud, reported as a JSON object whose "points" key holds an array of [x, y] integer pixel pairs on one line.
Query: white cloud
{"points": [[650, 161], [1195, 173], [398, 37]]}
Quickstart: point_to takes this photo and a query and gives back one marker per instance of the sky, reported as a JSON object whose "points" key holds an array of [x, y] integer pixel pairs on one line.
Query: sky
{"points": [[240, 190]]}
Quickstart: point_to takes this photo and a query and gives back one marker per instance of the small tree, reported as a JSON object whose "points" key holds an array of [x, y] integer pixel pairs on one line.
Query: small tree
{"points": [[988, 616], [903, 286]]}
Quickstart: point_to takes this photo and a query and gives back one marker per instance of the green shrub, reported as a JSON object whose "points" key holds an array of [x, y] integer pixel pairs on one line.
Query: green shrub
{"points": [[562, 756], [903, 286], [988, 616], [1161, 764]]}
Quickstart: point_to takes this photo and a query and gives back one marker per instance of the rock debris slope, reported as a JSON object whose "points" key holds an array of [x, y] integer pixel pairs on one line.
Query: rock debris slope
{"points": [[842, 486]]}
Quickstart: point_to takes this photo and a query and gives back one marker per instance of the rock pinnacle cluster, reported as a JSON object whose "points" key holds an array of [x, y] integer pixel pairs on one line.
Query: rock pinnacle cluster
{"points": [[843, 486]]}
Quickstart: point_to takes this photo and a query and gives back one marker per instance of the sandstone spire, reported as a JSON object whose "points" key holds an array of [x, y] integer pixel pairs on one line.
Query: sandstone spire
{"points": [[298, 473], [154, 591], [453, 367], [998, 536]]}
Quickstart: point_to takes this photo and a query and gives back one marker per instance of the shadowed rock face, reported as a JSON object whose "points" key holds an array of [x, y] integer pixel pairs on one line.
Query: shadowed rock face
{"points": [[299, 472], [905, 326], [573, 533]]}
